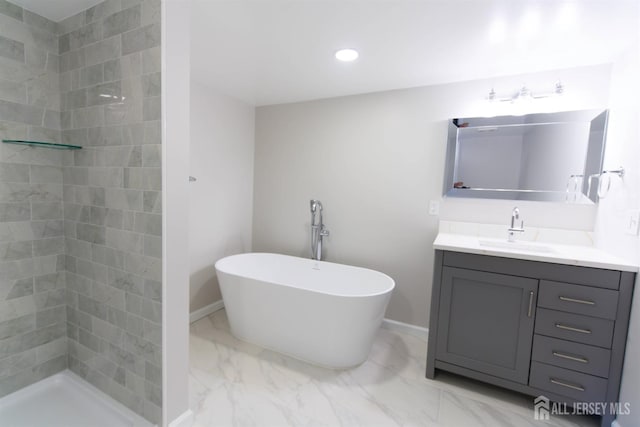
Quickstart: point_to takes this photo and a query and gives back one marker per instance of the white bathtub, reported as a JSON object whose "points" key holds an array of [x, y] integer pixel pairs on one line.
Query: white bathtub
{"points": [[324, 313]]}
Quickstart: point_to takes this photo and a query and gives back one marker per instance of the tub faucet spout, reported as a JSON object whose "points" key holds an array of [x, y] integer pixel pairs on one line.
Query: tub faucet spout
{"points": [[318, 231]]}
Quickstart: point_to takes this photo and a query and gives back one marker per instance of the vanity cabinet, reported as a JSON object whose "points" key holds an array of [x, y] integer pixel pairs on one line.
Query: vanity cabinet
{"points": [[486, 322], [533, 327]]}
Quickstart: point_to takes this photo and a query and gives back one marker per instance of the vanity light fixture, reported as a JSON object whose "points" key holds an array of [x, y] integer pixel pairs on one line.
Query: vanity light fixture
{"points": [[347, 55], [525, 94]]}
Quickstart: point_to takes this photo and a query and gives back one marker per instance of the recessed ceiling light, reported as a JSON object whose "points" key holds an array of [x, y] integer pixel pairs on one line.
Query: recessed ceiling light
{"points": [[347, 55]]}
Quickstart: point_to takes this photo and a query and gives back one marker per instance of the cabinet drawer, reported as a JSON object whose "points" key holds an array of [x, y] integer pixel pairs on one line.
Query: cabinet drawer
{"points": [[576, 385], [574, 327], [586, 300], [567, 354]]}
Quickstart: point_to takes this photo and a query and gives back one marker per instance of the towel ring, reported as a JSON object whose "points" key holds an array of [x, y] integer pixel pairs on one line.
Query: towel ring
{"points": [[606, 176]]}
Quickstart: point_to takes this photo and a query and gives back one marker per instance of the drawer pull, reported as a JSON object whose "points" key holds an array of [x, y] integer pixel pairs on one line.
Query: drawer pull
{"points": [[572, 329], [577, 301], [530, 304], [569, 357], [567, 385]]}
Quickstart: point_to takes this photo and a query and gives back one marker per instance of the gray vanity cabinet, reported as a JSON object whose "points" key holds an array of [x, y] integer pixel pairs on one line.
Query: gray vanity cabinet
{"points": [[537, 328], [487, 320]]}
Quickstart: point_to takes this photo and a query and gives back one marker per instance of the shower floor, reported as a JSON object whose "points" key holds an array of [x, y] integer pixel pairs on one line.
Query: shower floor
{"points": [[65, 400]]}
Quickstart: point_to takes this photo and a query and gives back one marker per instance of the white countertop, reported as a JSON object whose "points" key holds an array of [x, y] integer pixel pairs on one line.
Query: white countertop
{"points": [[474, 239]]}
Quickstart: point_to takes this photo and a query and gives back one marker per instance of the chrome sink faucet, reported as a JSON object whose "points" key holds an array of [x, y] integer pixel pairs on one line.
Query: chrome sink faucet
{"points": [[318, 231], [515, 215]]}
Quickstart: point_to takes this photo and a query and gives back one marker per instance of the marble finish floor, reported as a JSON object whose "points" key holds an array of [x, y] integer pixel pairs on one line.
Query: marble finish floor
{"points": [[234, 383]]}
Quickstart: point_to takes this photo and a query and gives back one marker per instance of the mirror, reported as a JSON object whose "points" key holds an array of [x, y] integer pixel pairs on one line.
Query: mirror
{"points": [[542, 157]]}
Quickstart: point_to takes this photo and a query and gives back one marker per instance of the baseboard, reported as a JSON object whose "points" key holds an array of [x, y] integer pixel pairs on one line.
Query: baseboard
{"points": [[205, 311], [184, 420], [405, 328]]}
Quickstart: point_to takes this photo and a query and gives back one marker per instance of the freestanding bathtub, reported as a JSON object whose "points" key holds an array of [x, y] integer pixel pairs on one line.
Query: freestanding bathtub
{"points": [[316, 311]]}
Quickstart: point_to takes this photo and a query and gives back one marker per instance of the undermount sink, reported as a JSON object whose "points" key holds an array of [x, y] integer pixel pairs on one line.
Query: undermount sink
{"points": [[517, 246]]}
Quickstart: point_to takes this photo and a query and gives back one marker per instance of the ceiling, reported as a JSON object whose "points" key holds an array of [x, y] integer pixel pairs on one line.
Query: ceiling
{"points": [[276, 51], [56, 10]]}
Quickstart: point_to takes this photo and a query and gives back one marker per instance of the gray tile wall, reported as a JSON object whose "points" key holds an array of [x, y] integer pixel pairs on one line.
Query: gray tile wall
{"points": [[33, 342], [110, 85], [80, 232]]}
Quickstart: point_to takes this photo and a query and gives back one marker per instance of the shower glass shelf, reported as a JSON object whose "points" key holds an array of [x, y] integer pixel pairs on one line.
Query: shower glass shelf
{"points": [[42, 144]]}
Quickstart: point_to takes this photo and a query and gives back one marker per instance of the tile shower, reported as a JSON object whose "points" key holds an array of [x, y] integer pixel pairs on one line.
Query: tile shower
{"points": [[80, 231]]}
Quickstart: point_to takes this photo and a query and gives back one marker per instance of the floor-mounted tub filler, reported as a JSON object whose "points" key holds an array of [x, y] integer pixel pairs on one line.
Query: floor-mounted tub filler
{"points": [[320, 312]]}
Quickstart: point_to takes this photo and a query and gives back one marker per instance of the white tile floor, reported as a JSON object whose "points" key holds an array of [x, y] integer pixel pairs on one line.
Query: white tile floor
{"points": [[64, 400], [233, 383]]}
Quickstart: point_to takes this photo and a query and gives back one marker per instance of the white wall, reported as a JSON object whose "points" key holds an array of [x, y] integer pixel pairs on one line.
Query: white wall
{"points": [[221, 200], [623, 149], [175, 212], [376, 160]]}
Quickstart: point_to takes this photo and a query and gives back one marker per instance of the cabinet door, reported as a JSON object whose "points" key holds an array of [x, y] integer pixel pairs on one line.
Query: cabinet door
{"points": [[486, 322]]}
